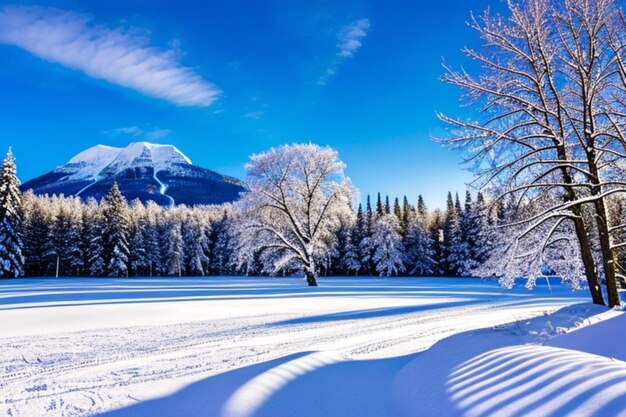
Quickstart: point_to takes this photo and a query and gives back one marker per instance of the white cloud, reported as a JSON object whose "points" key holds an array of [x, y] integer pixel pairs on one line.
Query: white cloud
{"points": [[116, 55], [136, 132], [350, 37], [255, 115]]}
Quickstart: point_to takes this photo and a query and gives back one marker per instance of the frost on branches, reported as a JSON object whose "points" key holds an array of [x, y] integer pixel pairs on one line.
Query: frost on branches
{"points": [[11, 258], [296, 199], [549, 131]]}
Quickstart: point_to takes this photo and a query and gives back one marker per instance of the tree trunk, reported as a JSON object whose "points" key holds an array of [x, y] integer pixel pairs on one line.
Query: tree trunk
{"points": [[607, 255], [311, 278], [587, 257]]}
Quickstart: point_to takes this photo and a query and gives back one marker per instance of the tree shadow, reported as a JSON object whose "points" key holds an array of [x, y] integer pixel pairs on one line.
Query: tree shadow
{"points": [[489, 372]]}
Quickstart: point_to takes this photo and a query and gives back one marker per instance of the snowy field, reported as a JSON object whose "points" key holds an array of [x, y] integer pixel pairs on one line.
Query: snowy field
{"points": [[236, 347]]}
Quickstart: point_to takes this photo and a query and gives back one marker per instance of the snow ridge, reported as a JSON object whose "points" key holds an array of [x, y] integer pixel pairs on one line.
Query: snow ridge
{"points": [[100, 160]]}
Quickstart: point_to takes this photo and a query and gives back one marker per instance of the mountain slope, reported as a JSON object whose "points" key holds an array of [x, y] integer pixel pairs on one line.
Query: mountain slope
{"points": [[143, 170]]}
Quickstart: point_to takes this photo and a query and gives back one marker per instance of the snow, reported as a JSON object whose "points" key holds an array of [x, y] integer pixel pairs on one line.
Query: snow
{"points": [[93, 162], [163, 189], [234, 347]]}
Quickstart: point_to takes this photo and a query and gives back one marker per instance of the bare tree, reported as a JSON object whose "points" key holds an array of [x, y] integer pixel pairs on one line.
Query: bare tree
{"points": [[297, 196], [550, 121]]}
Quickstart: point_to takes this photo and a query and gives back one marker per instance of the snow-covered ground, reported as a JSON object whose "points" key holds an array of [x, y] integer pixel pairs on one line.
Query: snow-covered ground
{"points": [[237, 347]]}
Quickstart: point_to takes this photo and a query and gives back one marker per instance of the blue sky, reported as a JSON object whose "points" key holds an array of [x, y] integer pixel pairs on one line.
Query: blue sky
{"points": [[224, 79]]}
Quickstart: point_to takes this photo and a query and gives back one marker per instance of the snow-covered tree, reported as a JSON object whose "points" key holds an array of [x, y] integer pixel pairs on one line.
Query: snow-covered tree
{"points": [[550, 120], [11, 256], [153, 238], [195, 242], [366, 247], [115, 232], [64, 249], [388, 246], [93, 239], [221, 246], [297, 194], [352, 259], [36, 229], [173, 244], [453, 250], [418, 244]]}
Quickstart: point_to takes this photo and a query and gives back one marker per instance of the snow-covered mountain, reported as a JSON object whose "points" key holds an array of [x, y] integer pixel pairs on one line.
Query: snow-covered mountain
{"points": [[143, 170]]}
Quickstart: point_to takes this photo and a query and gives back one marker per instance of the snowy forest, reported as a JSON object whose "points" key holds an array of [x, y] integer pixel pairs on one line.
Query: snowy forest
{"points": [[547, 147], [64, 236]]}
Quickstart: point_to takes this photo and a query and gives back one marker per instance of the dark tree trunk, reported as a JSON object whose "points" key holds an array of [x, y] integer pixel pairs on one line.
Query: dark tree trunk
{"points": [[311, 279], [586, 252], [607, 255]]}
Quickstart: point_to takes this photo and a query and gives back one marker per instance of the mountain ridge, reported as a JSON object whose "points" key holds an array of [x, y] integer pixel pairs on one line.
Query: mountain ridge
{"points": [[143, 170]]}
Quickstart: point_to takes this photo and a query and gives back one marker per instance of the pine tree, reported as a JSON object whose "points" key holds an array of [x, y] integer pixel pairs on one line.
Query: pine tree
{"points": [[116, 233], [11, 257], [407, 214], [419, 246], [64, 250], [437, 236], [379, 207], [173, 243], [194, 245], [36, 230], [452, 263], [153, 237], [421, 209], [366, 246], [388, 246], [222, 246], [351, 261], [138, 251]]}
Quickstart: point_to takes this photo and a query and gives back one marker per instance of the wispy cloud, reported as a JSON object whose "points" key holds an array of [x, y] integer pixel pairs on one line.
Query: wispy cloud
{"points": [[350, 40], [350, 37], [136, 132], [117, 55], [255, 115]]}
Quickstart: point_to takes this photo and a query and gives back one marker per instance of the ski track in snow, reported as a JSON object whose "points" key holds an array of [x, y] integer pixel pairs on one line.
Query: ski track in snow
{"points": [[88, 186], [214, 325], [163, 189]]}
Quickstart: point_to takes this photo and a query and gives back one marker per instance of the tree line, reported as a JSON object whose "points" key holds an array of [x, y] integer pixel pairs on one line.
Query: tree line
{"points": [[65, 236]]}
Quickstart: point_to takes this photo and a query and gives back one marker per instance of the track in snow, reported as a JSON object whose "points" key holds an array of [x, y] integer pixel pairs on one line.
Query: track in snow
{"points": [[163, 189], [76, 347]]}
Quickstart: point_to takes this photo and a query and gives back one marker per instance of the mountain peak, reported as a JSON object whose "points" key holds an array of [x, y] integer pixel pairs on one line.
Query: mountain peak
{"points": [[144, 170]]}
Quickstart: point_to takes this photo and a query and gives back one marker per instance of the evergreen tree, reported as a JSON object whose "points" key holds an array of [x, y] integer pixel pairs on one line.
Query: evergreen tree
{"points": [[64, 250], [194, 245], [139, 260], [437, 237], [451, 261], [366, 246], [173, 242], [11, 257], [222, 246], [388, 246], [93, 240], [421, 209], [36, 230], [153, 238], [397, 210], [116, 233], [407, 212], [351, 261], [379, 207], [419, 246]]}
